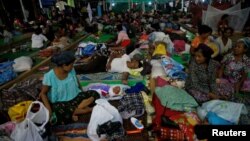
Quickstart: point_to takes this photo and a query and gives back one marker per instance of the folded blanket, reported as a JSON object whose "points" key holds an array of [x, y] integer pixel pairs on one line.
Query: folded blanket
{"points": [[175, 98]]}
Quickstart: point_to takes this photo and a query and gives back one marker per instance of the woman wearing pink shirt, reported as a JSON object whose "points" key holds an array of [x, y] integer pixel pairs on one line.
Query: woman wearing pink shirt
{"points": [[122, 39]]}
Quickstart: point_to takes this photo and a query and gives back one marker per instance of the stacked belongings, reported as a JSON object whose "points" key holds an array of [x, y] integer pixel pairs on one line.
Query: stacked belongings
{"points": [[7, 72], [131, 104], [91, 58], [175, 118], [105, 122], [174, 71]]}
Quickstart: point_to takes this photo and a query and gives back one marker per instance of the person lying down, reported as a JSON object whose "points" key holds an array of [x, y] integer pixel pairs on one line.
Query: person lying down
{"points": [[122, 64], [108, 91]]}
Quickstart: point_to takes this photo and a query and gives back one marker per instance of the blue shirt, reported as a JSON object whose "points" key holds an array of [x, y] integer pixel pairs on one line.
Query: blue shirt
{"points": [[61, 90]]}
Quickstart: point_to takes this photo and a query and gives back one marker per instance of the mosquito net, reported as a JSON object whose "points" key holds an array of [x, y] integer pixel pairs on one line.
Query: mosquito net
{"points": [[237, 17]]}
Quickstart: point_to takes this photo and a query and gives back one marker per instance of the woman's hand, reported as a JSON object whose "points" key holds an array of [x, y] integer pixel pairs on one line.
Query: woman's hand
{"points": [[237, 87]]}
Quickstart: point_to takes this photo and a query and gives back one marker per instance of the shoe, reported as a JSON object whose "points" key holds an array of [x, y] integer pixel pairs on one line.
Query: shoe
{"points": [[136, 123]]}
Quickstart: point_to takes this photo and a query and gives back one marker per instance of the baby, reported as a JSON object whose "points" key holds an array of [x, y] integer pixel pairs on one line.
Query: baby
{"points": [[107, 91]]}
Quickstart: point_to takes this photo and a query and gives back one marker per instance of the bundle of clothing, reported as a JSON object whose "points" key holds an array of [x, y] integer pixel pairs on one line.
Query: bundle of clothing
{"points": [[173, 69]]}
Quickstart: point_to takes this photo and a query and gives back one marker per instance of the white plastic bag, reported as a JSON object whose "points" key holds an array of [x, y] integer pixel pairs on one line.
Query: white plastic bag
{"points": [[27, 130], [23, 63], [227, 110], [101, 113]]}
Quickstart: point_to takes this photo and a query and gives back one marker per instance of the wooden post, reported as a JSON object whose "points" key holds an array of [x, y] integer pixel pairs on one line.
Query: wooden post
{"points": [[104, 6], [129, 5], [182, 5], [143, 7], [35, 8], [3, 13]]}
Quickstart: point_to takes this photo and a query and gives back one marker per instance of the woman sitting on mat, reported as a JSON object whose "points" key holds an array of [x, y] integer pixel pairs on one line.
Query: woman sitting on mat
{"points": [[235, 65], [61, 92], [201, 81]]}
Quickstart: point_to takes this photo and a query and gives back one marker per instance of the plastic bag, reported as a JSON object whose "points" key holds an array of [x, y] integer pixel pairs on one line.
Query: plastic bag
{"points": [[27, 130], [23, 63], [18, 111], [6, 72], [101, 113]]}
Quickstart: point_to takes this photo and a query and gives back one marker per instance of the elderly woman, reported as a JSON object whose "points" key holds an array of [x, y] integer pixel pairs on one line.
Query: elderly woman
{"points": [[235, 65]]}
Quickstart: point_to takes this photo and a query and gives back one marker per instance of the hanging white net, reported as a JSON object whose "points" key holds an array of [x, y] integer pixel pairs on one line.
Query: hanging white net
{"points": [[237, 17]]}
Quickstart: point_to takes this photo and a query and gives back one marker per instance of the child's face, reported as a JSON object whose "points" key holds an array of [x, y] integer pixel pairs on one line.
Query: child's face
{"points": [[227, 33], [68, 68], [239, 48], [199, 58], [133, 64], [116, 90], [204, 35]]}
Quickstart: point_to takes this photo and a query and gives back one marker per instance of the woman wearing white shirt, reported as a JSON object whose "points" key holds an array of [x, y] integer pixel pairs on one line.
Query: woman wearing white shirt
{"points": [[225, 43], [38, 39]]}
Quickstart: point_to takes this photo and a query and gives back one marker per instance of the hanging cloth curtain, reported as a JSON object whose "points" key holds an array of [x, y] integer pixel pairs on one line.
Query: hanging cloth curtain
{"points": [[110, 5], [89, 12], [40, 4], [143, 7]]}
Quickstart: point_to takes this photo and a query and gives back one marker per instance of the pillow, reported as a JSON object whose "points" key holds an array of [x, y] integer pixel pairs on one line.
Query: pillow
{"points": [[157, 69]]}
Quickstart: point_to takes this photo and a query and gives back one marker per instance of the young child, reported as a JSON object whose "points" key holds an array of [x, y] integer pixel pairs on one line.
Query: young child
{"points": [[107, 91], [204, 32], [122, 64], [235, 65], [61, 92], [201, 81], [38, 39]]}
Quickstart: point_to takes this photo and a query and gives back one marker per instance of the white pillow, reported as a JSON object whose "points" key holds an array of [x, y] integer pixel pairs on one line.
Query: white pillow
{"points": [[23, 63], [157, 69]]}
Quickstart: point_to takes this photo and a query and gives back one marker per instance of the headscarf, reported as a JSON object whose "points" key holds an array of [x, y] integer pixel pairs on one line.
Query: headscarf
{"points": [[246, 41]]}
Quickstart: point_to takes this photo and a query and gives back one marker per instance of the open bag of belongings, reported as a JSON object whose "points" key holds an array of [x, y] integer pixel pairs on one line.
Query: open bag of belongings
{"points": [[32, 128]]}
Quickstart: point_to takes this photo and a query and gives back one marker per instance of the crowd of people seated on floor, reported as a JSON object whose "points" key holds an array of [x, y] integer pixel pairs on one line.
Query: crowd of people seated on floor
{"points": [[217, 69]]}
